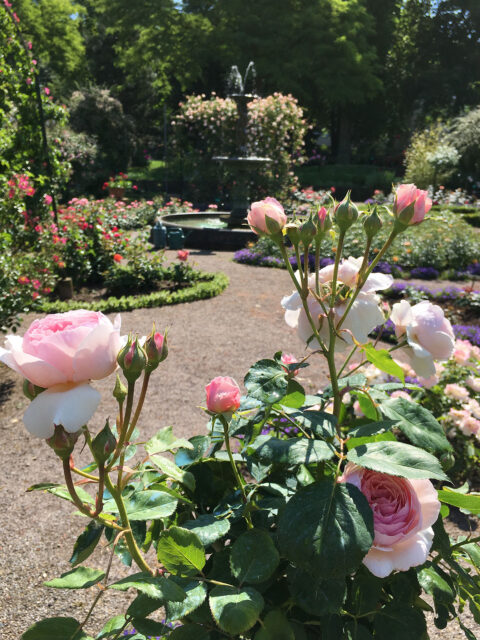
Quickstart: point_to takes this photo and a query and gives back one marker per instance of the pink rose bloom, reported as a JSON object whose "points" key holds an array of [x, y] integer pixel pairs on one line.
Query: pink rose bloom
{"points": [[401, 394], [429, 334], [408, 194], [223, 395], [61, 353], [473, 383], [404, 511], [457, 392], [357, 409], [463, 419], [348, 271], [268, 208], [289, 358], [182, 254], [462, 351]]}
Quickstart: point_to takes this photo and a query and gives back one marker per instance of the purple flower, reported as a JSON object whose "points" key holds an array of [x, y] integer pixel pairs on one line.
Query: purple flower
{"points": [[467, 332], [383, 267], [425, 273]]}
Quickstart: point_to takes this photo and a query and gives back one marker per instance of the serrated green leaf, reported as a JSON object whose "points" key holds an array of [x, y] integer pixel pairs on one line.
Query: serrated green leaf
{"points": [[149, 628], [235, 610], [164, 440], [78, 578], [320, 423], [266, 381], [185, 456], [295, 395], [397, 459], [208, 528], [170, 469], [380, 437], [399, 622], [371, 429], [253, 557], [292, 451], [196, 595], [275, 627], [383, 361], [157, 587], [417, 423], [86, 542], [326, 528], [113, 626], [434, 583], [143, 606], [149, 505], [470, 503], [316, 597], [55, 629], [180, 551]]}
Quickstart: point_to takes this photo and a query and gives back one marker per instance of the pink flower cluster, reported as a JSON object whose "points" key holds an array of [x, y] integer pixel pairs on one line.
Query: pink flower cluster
{"points": [[20, 186]]}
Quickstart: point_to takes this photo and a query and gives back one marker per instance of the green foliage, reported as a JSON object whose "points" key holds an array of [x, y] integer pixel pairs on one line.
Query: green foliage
{"points": [[465, 137], [423, 165]]}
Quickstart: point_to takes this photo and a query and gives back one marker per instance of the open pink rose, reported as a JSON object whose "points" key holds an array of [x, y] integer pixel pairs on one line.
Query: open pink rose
{"points": [[267, 208], [61, 353], [223, 395], [407, 195], [404, 511]]}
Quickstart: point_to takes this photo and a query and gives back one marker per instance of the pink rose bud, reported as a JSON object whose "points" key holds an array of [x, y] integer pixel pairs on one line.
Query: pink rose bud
{"points": [[324, 221], [346, 213], [287, 359], [132, 360], [156, 349], [183, 254], [411, 204], [404, 511], [62, 442], [104, 444], [223, 395], [266, 217]]}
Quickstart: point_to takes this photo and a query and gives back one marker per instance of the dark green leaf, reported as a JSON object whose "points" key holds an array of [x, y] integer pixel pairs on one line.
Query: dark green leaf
{"points": [[365, 593], [316, 597], [149, 627], [417, 423], [235, 610], [320, 423], [200, 445], [196, 594], [266, 381], [78, 578], [380, 437], [152, 586], [326, 528], [354, 630], [170, 469], [86, 542], [371, 429], [164, 440], [143, 606], [180, 551], [208, 528], [275, 627], [383, 361], [399, 622], [434, 582], [253, 557], [293, 451], [397, 459], [55, 629], [470, 503], [190, 632], [468, 634], [150, 505]]}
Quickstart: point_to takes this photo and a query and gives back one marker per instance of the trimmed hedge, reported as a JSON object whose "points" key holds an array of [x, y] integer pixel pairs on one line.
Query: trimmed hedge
{"points": [[211, 285]]}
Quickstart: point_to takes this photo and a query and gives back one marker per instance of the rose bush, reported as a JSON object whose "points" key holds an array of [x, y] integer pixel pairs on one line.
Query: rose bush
{"points": [[320, 522]]}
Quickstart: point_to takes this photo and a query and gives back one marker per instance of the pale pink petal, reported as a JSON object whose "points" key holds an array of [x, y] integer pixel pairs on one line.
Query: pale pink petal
{"points": [[377, 282], [96, 357], [401, 316], [428, 499], [291, 318], [36, 370], [423, 364], [412, 552], [71, 408], [292, 302]]}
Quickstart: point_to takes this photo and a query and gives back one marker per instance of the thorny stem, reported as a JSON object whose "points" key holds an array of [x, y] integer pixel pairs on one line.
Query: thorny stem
{"points": [[102, 591], [236, 473], [72, 491]]}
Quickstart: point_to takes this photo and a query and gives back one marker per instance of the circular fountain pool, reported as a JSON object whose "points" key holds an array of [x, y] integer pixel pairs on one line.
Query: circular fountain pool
{"points": [[207, 230]]}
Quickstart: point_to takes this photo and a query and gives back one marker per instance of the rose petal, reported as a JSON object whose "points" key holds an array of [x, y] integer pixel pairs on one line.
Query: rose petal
{"points": [[34, 369], [411, 553], [71, 408], [96, 357]]}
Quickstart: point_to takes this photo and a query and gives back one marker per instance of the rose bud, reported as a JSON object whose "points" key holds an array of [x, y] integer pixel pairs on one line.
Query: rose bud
{"points": [[346, 213], [62, 442], [372, 224], [324, 220], [223, 395], [31, 390], [411, 205], [132, 360], [156, 349], [103, 444], [266, 217], [308, 231], [119, 390], [293, 232]]}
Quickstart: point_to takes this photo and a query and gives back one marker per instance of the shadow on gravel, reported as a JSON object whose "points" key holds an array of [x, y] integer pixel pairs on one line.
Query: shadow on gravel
{"points": [[463, 521]]}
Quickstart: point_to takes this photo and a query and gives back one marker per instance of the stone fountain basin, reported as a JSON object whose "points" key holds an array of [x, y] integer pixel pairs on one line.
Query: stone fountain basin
{"points": [[209, 230]]}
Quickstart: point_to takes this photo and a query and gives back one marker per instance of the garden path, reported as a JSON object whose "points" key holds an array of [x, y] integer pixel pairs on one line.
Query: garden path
{"points": [[221, 336]]}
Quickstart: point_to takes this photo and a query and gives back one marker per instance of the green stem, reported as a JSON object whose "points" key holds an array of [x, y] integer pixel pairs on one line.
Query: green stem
{"points": [[317, 266], [141, 400], [236, 473], [338, 256], [129, 539], [85, 509], [349, 357], [291, 272], [123, 426]]}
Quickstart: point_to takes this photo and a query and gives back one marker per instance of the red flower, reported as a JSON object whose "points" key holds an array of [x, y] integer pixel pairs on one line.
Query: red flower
{"points": [[117, 257]]}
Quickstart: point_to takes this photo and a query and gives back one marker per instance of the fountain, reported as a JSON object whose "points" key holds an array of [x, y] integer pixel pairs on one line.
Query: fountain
{"points": [[227, 230]]}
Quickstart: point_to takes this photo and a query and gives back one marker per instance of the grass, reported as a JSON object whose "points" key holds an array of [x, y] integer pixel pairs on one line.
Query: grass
{"points": [[154, 171]]}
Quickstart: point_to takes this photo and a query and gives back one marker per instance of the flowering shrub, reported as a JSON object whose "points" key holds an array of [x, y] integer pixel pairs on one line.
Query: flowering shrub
{"points": [[119, 181], [320, 523], [204, 128]]}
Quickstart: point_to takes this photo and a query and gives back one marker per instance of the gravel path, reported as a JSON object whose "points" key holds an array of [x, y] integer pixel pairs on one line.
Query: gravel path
{"points": [[222, 336]]}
